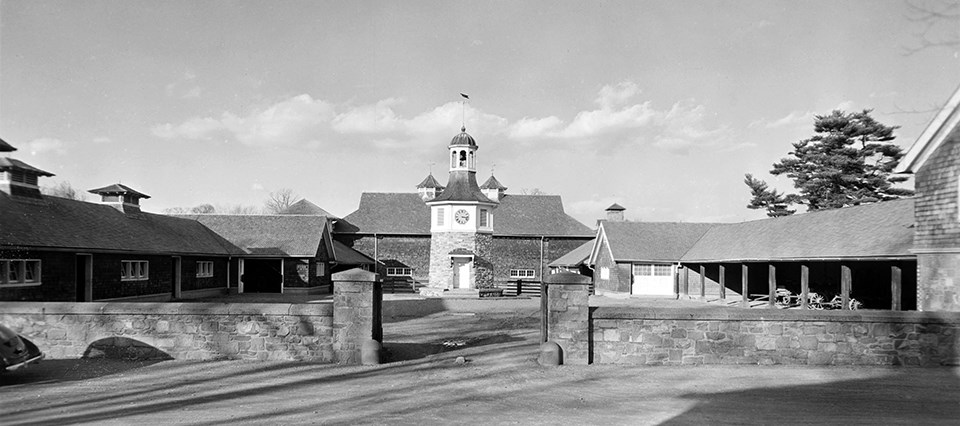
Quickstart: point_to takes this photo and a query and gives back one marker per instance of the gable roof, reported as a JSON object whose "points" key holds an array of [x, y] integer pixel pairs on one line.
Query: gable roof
{"points": [[575, 257], [118, 188], [878, 230], [7, 163], [649, 241], [403, 213], [492, 183], [343, 254], [943, 125], [305, 207], [61, 223], [268, 235], [430, 182]]}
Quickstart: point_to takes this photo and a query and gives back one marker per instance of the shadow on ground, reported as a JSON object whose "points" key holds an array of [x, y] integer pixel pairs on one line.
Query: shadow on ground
{"points": [[67, 370]]}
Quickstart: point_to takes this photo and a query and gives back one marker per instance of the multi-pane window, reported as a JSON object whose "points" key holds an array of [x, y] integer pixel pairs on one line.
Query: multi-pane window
{"points": [[647, 269], [204, 269], [321, 269], [439, 216], [399, 272], [522, 273], [604, 273], [483, 217], [19, 272], [131, 270]]}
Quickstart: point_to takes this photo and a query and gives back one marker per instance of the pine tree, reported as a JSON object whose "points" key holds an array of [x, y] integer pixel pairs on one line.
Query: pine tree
{"points": [[848, 162]]}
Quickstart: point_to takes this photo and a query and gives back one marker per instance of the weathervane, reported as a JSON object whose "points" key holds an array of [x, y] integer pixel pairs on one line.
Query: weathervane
{"points": [[463, 112]]}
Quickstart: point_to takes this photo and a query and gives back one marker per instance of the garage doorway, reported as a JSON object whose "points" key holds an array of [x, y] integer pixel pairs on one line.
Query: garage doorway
{"points": [[262, 276]]}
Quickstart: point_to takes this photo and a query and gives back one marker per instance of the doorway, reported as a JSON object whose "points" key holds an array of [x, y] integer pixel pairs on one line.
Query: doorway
{"points": [[262, 276], [176, 274], [84, 278], [461, 272]]}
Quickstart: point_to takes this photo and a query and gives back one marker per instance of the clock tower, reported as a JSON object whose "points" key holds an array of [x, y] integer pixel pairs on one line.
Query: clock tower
{"points": [[461, 224]]}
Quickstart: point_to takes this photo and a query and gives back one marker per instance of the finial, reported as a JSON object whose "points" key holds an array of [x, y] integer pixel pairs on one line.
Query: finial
{"points": [[463, 128]]}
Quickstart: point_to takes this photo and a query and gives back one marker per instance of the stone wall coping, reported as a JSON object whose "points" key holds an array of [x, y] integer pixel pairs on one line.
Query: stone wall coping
{"points": [[95, 308], [722, 314], [355, 274]]}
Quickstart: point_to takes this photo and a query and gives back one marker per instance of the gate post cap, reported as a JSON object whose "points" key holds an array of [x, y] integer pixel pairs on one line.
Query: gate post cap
{"points": [[355, 274], [567, 278]]}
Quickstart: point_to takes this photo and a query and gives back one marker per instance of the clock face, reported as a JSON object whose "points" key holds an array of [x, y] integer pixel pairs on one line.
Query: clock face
{"points": [[461, 216]]}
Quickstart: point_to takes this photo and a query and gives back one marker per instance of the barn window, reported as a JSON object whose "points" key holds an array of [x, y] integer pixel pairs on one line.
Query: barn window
{"points": [[204, 269], [523, 273], [19, 272], [399, 272], [133, 270], [604, 273], [321, 269]]}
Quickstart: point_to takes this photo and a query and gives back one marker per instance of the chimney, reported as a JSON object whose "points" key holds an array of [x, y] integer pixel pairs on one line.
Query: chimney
{"points": [[615, 213], [121, 197], [493, 189], [20, 179]]}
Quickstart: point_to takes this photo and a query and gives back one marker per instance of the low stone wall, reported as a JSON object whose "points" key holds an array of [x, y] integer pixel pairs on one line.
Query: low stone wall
{"points": [[666, 336], [319, 332], [200, 331]]}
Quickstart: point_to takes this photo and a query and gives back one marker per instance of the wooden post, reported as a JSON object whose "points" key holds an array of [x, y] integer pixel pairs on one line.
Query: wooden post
{"points": [[804, 286], [685, 283], [703, 282], [723, 282], [544, 311], [745, 278], [772, 283], [896, 289], [846, 284]]}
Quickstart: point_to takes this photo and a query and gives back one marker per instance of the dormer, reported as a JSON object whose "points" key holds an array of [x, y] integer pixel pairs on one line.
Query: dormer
{"points": [[429, 188], [20, 179], [493, 189], [120, 197]]}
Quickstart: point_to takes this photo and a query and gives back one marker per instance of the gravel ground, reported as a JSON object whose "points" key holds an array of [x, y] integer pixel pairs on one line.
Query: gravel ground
{"points": [[499, 382]]}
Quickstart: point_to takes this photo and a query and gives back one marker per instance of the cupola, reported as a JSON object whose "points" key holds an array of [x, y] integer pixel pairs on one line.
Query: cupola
{"points": [[120, 197], [429, 188], [493, 189], [463, 152], [615, 213], [20, 179]]}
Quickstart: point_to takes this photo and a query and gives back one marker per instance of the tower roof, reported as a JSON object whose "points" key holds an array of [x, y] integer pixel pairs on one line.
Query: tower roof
{"points": [[14, 164], [463, 187], [493, 183], [5, 147], [118, 189], [616, 208], [463, 139], [430, 182]]}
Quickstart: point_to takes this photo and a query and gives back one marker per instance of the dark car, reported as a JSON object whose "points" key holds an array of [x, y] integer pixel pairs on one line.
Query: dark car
{"points": [[16, 351]]}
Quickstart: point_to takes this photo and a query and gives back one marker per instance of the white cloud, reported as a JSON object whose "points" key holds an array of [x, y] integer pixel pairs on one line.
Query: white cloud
{"points": [[184, 88], [798, 118], [46, 145], [256, 187]]}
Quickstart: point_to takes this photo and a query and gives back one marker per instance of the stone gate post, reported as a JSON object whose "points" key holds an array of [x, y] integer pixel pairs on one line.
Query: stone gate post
{"points": [[568, 316], [357, 301]]}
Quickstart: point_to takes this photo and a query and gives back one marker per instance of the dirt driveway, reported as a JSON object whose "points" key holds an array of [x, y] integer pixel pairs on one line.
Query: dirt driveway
{"points": [[499, 384]]}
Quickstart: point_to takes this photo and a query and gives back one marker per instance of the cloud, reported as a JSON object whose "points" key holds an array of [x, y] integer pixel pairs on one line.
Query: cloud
{"points": [[184, 88], [798, 118], [46, 145]]}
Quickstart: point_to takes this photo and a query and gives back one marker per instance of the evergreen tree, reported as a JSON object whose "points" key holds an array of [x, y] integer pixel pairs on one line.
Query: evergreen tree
{"points": [[848, 162]]}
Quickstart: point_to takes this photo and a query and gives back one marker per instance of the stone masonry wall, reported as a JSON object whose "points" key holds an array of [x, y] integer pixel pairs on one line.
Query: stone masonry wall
{"points": [[203, 331]]}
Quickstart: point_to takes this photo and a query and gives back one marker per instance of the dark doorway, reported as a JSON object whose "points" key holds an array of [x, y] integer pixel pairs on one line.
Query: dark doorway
{"points": [[262, 275], [84, 278]]}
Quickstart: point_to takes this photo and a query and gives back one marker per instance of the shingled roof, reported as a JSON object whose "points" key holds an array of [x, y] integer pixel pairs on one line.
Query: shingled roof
{"points": [[651, 241], [575, 257], [305, 207], [268, 235], [60, 223], [7, 163], [878, 230], [403, 213], [5, 147]]}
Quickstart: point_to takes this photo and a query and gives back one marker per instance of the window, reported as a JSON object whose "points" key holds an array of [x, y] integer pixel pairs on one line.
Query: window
{"points": [[604, 273], [132, 270], [439, 216], [649, 270], [204, 269], [399, 272], [321, 269], [483, 217], [522, 273], [19, 272]]}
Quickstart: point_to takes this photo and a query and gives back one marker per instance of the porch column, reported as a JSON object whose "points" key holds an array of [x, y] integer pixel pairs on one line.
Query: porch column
{"points": [[772, 286], [703, 282], [744, 278], [723, 282], [685, 283], [846, 282], [896, 288], [804, 286]]}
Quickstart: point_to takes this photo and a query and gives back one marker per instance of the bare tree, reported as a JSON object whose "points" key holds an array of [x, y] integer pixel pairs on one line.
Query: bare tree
{"points": [[204, 209], [280, 199], [937, 24], [532, 191], [238, 209], [176, 210], [64, 190]]}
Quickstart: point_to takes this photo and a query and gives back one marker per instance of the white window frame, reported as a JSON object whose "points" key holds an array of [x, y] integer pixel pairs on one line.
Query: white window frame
{"points": [[484, 220], [399, 272], [204, 269], [321, 269], [643, 269], [662, 270], [523, 273], [20, 266], [134, 270], [652, 269], [440, 214]]}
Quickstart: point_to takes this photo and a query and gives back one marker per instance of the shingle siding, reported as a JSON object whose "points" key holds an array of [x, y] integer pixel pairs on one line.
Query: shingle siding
{"points": [[56, 276], [938, 225]]}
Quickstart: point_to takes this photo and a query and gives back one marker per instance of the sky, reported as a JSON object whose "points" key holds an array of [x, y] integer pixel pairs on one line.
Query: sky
{"points": [[661, 107]]}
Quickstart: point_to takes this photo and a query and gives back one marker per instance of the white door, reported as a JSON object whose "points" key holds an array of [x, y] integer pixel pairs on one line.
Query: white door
{"points": [[652, 279], [463, 274]]}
